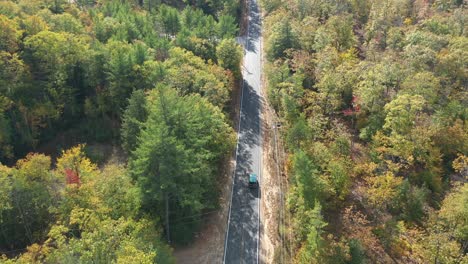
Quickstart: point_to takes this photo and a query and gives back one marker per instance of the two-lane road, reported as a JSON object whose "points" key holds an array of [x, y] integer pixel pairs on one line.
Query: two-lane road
{"points": [[242, 236]]}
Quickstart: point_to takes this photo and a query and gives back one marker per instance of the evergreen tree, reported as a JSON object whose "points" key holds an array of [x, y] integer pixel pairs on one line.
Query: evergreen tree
{"points": [[175, 162], [133, 118]]}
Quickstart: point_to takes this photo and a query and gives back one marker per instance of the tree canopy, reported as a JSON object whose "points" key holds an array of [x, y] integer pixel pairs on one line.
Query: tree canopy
{"points": [[372, 98], [150, 81]]}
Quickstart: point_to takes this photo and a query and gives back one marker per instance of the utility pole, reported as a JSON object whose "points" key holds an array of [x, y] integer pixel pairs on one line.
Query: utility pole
{"points": [[168, 233]]}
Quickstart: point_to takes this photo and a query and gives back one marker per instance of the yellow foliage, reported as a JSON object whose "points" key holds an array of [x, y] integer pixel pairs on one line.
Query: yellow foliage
{"points": [[56, 234], [349, 55], [365, 169], [86, 219], [408, 21], [35, 254], [35, 166], [76, 160], [10, 34], [383, 189], [34, 24], [460, 165], [400, 246], [128, 253], [454, 211]]}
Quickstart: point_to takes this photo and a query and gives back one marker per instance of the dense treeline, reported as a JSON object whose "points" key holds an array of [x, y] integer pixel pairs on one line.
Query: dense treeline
{"points": [[373, 96], [74, 66], [156, 79], [75, 213]]}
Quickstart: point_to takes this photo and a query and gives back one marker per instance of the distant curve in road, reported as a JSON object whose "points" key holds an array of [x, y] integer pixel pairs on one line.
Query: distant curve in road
{"points": [[242, 235]]}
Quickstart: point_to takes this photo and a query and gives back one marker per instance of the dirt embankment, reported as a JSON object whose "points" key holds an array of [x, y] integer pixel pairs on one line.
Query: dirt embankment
{"points": [[271, 211], [271, 192]]}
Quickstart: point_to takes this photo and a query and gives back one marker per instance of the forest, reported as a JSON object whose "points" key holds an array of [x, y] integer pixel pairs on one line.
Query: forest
{"points": [[372, 97], [153, 78]]}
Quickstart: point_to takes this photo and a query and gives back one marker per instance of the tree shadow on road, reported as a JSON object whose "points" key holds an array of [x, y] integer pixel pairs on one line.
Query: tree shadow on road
{"points": [[254, 28]]}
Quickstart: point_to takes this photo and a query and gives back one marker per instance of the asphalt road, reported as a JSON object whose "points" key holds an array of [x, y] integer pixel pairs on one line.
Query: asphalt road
{"points": [[242, 239]]}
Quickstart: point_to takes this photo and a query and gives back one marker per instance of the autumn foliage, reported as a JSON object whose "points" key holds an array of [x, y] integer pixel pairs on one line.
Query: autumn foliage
{"points": [[372, 98]]}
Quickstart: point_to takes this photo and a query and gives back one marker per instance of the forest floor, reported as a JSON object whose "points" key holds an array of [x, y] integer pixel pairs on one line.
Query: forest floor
{"points": [[100, 153]]}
